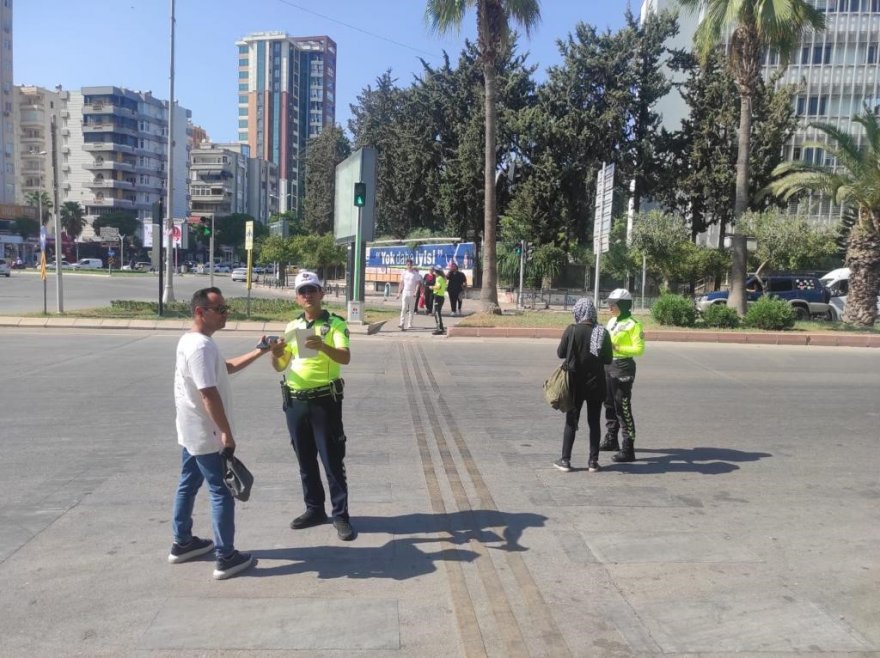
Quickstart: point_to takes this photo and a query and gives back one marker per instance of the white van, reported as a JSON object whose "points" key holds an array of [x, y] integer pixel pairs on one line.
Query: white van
{"points": [[88, 264], [837, 282]]}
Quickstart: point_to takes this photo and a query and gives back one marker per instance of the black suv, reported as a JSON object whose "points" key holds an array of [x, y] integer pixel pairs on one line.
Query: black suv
{"points": [[806, 294]]}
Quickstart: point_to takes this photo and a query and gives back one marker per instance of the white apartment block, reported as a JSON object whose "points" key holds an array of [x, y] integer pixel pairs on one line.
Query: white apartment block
{"points": [[34, 111], [7, 124], [224, 179], [218, 180], [836, 72]]}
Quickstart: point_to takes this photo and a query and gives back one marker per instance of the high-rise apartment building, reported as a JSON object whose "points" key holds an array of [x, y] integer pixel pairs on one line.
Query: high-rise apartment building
{"points": [[33, 111], [835, 71], [7, 125], [286, 95], [118, 153]]}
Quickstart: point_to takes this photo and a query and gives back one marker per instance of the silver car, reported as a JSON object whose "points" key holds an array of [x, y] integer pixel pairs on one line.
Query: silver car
{"points": [[239, 274], [4, 267]]}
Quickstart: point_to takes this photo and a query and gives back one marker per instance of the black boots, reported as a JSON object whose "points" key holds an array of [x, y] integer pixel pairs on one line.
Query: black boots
{"points": [[609, 443], [627, 453]]}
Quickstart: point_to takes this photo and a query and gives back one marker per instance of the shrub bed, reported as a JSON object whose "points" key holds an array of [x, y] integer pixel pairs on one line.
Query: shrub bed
{"points": [[720, 316], [674, 310], [770, 314]]}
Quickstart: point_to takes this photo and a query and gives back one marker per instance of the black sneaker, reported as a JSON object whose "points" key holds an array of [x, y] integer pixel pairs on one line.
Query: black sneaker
{"points": [[609, 444], [235, 563], [183, 552], [593, 466], [343, 529], [311, 517], [563, 465]]}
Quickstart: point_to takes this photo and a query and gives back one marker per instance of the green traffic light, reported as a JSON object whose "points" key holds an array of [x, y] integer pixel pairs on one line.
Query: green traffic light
{"points": [[360, 194]]}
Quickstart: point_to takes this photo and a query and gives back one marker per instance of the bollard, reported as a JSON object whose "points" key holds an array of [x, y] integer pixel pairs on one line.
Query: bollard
{"points": [[387, 292]]}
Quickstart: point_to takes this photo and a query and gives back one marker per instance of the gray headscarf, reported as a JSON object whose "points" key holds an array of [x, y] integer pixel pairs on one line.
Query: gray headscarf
{"points": [[585, 311]]}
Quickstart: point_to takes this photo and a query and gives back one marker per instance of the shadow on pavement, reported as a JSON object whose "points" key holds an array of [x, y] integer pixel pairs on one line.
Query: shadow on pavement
{"points": [[707, 461], [401, 558]]}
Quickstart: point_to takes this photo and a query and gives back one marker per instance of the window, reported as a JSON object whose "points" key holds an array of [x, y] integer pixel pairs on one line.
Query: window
{"points": [[242, 75], [243, 49], [779, 285], [243, 61], [242, 136], [242, 123], [242, 86], [872, 53], [242, 98], [242, 111]]}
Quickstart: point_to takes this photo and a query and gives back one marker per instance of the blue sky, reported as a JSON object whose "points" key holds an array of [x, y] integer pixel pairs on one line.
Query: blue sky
{"points": [[126, 43]]}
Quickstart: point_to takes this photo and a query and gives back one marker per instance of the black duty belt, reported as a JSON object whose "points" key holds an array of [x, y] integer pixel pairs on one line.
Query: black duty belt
{"points": [[332, 389]]}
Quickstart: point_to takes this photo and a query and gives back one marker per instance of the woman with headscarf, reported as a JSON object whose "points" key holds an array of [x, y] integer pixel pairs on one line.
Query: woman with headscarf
{"points": [[590, 347]]}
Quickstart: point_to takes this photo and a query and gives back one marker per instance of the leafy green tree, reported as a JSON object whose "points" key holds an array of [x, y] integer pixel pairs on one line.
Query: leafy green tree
{"points": [[661, 238], [277, 249], [37, 199], [700, 159], [493, 34], [73, 219], [229, 230], [324, 152], [125, 223], [754, 26], [786, 242], [318, 252], [854, 183]]}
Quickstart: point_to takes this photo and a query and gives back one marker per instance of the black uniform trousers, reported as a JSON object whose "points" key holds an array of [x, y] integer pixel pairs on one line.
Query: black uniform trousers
{"points": [[619, 378], [315, 428], [438, 311]]}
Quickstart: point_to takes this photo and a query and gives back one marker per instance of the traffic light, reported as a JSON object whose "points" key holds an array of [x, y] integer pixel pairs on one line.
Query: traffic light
{"points": [[360, 194], [518, 249], [530, 250], [206, 226]]}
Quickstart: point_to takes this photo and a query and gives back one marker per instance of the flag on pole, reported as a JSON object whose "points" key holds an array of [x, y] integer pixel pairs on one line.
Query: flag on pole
{"points": [[43, 265]]}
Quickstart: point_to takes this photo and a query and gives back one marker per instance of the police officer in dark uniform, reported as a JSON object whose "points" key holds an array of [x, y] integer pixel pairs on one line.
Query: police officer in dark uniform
{"points": [[312, 390]]}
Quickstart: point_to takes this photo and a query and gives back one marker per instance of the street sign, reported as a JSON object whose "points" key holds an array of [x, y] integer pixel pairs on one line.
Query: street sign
{"points": [[604, 203], [43, 238], [249, 234]]}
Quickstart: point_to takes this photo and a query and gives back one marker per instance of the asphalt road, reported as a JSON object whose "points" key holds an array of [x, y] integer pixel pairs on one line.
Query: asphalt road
{"points": [[23, 291], [749, 524]]}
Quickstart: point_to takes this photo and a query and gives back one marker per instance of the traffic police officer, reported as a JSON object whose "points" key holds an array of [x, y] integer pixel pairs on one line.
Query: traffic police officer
{"points": [[627, 342], [312, 390]]}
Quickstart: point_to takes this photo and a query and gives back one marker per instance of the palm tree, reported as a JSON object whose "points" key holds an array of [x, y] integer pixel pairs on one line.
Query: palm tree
{"points": [[754, 26], [493, 35], [72, 219], [37, 199], [855, 182]]}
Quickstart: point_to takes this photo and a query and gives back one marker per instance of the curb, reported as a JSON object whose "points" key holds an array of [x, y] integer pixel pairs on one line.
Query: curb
{"points": [[732, 337]]}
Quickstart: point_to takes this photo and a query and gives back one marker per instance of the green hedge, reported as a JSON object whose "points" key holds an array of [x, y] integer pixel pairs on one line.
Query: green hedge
{"points": [[674, 310], [721, 316], [770, 313]]}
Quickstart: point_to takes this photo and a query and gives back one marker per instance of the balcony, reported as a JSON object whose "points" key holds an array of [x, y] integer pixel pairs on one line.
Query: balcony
{"points": [[107, 202], [107, 108], [211, 197], [109, 183], [108, 146], [109, 165], [39, 139], [108, 128]]}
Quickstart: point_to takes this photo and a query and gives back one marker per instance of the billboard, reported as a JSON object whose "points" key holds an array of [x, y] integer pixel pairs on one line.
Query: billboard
{"points": [[359, 167], [423, 256]]}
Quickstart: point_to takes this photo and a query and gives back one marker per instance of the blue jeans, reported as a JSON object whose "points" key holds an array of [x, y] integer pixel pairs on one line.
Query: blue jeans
{"points": [[195, 470]]}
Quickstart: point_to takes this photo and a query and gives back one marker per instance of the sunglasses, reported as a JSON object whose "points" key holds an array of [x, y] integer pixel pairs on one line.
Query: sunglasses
{"points": [[219, 309], [306, 290]]}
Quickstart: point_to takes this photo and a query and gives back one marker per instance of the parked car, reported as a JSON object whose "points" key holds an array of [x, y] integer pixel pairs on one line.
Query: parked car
{"points": [[239, 274], [64, 265], [88, 264], [807, 295], [222, 268], [4, 267], [837, 282]]}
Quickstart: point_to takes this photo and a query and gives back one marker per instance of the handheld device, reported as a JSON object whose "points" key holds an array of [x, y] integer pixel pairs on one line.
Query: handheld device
{"points": [[266, 342]]}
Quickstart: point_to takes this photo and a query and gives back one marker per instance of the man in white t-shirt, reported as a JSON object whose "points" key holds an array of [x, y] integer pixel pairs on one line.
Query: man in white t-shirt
{"points": [[205, 432], [410, 285]]}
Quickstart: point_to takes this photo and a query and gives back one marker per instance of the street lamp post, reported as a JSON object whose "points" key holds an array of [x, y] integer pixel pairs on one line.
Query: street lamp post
{"points": [[168, 295], [59, 292]]}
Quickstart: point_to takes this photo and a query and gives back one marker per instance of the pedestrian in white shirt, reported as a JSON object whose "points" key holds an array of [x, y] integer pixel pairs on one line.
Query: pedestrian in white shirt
{"points": [[410, 285]]}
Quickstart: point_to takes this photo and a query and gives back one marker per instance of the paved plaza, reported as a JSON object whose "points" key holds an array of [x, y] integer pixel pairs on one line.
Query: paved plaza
{"points": [[749, 524]]}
